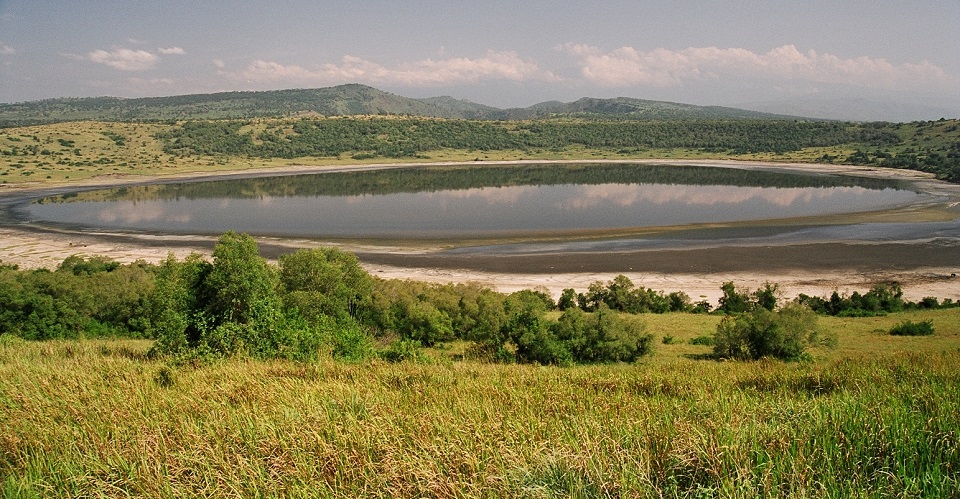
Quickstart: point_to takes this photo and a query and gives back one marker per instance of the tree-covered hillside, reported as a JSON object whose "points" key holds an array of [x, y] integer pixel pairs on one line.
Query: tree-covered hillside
{"points": [[342, 100], [69, 151], [932, 147]]}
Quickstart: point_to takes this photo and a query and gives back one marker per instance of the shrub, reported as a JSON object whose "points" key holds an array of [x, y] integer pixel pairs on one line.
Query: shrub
{"points": [[910, 328], [701, 307], [539, 345], [404, 350], [702, 340], [603, 336], [346, 340], [324, 281], [489, 352], [784, 335]]}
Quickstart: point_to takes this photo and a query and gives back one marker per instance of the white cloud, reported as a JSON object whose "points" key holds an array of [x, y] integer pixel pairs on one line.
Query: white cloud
{"points": [[171, 51], [6, 49], [627, 66], [493, 65], [124, 59], [151, 82], [219, 64]]}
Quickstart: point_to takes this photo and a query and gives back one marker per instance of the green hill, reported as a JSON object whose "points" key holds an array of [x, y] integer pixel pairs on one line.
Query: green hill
{"points": [[342, 100], [636, 109]]}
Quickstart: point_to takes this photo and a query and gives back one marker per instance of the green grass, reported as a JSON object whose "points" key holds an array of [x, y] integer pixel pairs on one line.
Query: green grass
{"points": [[98, 418]]}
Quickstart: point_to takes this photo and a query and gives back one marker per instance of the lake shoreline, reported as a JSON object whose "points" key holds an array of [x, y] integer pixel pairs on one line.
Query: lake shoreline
{"points": [[924, 269]]}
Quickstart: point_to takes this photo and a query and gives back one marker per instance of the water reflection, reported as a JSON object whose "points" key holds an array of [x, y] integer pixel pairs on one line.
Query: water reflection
{"points": [[445, 202]]}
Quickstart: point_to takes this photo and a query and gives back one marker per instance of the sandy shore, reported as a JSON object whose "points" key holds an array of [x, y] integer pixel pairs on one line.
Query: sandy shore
{"points": [[925, 269]]}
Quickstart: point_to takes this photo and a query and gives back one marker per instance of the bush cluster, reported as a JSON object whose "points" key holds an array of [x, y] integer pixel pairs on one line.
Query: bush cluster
{"points": [[321, 302], [881, 299], [755, 326], [910, 328], [313, 302], [622, 295], [785, 334]]}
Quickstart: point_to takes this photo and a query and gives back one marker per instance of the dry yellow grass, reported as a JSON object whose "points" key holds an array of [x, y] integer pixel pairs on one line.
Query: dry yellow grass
{"points": [[97, 418]]}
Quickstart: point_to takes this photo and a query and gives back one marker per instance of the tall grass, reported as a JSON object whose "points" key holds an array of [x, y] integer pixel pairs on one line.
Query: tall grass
{"points": [[97, 418]]}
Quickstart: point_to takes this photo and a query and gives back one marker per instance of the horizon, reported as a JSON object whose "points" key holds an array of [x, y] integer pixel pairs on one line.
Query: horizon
{"points": [[812, 60]]}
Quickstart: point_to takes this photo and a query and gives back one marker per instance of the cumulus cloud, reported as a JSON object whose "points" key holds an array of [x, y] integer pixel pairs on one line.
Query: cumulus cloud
{"points": [[124, 59], [627, 66], [6, 49], [151, 82], [508, 66]]}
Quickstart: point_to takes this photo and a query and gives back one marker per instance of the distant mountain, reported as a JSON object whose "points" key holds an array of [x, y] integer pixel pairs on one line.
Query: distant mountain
{"points": [[628, 108], [342, 100], [460, 108], [856, 109]]}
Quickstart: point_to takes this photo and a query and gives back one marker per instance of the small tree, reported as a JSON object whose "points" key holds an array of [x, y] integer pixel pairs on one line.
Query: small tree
{"points": [[734, 301], [325, 281], [241, 285], [767, 296], [602, 336], [568, 299], [235, 308]]}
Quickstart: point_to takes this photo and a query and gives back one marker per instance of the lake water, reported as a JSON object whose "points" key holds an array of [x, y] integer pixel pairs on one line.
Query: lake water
{"points": [[466, 202]]}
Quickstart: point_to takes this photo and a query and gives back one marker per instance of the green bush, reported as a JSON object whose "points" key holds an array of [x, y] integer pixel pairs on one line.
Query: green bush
{"points": [[602, 336], [702, 340], [910, 328], [347, 340], [165, 377], [785, 334]]}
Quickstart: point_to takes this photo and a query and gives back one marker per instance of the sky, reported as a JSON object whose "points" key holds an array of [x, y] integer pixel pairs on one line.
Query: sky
{"points": [[901, 57]]}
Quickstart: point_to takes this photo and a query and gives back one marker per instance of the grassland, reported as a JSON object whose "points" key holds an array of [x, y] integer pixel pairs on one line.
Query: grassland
{"points": [[878, 416]]}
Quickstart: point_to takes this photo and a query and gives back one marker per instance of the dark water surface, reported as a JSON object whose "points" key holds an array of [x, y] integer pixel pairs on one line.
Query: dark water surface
{"points": [[449, 202]]}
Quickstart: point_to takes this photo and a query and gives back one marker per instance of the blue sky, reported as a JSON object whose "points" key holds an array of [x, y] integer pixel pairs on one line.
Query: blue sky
{"points": [[499, 53]]}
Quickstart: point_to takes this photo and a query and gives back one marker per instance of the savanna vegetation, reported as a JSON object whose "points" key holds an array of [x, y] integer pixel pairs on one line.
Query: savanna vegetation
{"points": [[104, 418], [320, 300], [234, 377], [70, 151]]}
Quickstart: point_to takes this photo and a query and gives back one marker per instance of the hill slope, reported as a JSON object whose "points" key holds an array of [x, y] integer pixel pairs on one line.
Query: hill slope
{"points": [[352, 99]]}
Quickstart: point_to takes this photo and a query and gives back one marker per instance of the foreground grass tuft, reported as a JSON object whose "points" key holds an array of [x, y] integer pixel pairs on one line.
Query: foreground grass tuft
{"points": [[97, 418]]}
